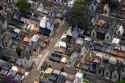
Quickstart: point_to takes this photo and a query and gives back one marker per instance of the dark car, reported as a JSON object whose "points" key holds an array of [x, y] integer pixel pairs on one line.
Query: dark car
{"points": [[55, 57]]}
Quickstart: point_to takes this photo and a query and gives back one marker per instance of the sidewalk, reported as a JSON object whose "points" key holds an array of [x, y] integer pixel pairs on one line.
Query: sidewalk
{"points": [[35, 72], [33, 75]]}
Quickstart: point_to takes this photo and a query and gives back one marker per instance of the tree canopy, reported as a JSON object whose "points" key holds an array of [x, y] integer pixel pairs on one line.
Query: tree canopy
{"points": [[113, 4], [121, 81], [62, 69], [77, 15], [22, 5], [18, 51]]}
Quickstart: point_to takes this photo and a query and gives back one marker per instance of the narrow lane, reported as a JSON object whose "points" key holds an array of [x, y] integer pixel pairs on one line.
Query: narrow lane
{"points": [[35, 72], [51, 46]]}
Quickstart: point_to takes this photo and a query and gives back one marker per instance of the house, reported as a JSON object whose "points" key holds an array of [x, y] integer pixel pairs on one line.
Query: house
{"points": [[40, 8], [55, 57], [7, 39], [106, 28], [107, 73], [78, 78], [61, 79], [122, 74], [70, 78], [93, 6], [3, 23], [115, 76], [54, 76], [71, 3]]}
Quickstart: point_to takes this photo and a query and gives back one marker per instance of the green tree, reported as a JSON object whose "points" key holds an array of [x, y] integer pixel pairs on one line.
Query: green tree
{"points": [[77, 16], [62, 69], [113, 4], [81, 2], [22, 5], [121, 81], [50, 66], [18, 51]]}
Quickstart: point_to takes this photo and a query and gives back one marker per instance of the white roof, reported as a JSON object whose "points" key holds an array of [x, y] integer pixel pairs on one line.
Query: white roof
{"points": [[30, 1], [121, 28], [113, 60], [79, 41], [64, 60], [69, 32], [71, 2], [64, 73], [61, 44], [30, 27], [115, 41], [17, 30], [35, 38], [40, 8], [87, 39], [63, 36], [56, 72], [14, 68], [43, 22], [79, 75]]}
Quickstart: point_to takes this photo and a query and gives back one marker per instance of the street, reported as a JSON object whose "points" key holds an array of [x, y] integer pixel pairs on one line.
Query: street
{"points": [[47, 52]]}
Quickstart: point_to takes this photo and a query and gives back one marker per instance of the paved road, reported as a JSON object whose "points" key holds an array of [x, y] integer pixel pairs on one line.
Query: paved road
{"points": [[47, 52], [51, 46], [96, 78], [89, 76]]}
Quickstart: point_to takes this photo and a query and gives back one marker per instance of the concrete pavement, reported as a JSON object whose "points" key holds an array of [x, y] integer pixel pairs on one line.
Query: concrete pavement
{"points": [[48, 51], [45, 53]]}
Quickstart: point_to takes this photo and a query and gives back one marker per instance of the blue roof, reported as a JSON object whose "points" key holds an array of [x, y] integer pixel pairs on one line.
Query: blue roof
{"points": [[14, 34], [55, 57], [53, 77]]}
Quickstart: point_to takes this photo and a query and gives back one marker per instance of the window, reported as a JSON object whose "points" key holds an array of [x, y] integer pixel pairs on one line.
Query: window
{"points": [[108, 37], [123, 78], [122, 70], [107, 73], [34, 49], [93, 34], [114, 76]]}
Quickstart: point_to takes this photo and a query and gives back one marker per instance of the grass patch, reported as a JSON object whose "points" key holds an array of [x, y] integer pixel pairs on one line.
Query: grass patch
{"points": [[46, 75], [41, 74]]}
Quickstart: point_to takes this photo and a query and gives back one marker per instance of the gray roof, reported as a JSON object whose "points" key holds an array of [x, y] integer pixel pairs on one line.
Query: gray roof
{"points": [[111, 24]]}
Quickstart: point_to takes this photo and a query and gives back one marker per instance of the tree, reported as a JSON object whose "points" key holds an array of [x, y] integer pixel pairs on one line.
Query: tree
{"points": [[50, 66], [113, 4], [62, 69], [121, 81], [36, 0], [81, 2], [77, 15], [18, 51], [22, 5]]}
